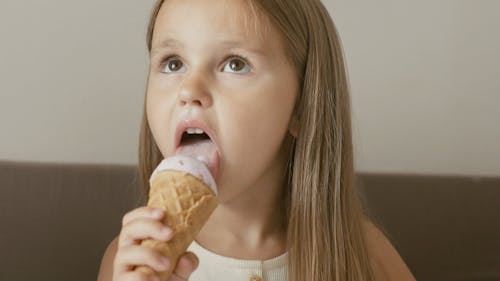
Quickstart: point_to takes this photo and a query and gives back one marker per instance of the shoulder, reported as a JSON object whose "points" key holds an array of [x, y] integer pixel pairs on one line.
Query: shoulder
{"points": [[386, 262], [106, 268]]}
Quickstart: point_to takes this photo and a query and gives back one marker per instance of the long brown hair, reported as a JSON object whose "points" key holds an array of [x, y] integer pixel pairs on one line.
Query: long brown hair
{"points": [[323, 211]]}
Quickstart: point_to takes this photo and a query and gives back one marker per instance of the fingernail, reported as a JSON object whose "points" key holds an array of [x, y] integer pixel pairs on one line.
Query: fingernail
{"points": [[157, 213], [166, 232]]}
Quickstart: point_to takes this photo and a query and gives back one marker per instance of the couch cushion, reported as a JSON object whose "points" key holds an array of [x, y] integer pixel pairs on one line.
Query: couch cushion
{"points": [[445, 227], [57, 219]]}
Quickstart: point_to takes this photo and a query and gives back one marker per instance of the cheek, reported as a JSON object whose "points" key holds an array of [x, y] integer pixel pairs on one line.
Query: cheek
{"points": [[159, 119], [256, 126]]}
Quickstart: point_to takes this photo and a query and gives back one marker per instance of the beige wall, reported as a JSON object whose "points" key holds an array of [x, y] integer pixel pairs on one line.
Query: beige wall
{"points": [[425, 79], [424, 75]]}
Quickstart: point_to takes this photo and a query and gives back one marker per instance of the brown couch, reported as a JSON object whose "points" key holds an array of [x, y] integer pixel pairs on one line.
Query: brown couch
{"points": [[57, 219]]}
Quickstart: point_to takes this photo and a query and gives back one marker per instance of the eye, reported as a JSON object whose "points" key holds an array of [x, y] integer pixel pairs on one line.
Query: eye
{"points": [[172, 64], [236, 65]]}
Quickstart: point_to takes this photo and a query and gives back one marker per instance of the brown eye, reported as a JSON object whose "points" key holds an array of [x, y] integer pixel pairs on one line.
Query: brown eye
{"points": [[172, 65], [237, 65]]}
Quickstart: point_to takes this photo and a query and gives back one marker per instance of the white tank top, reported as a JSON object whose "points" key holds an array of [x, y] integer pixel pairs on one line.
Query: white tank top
{"points": [[214, 267]]}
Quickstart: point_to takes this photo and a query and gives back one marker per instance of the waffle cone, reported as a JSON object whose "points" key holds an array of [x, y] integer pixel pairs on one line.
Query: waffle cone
{"points": [[188, 202]]}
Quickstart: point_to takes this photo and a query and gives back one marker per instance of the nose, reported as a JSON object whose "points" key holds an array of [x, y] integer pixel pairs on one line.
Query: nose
{"points": [[194, 91]]}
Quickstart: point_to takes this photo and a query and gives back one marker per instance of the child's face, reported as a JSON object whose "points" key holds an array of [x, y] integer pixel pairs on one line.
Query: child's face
{"points": [[247, 103]]}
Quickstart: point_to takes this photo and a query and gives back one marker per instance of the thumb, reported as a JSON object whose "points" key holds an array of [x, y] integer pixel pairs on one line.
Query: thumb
{"points": [[187, 263]]}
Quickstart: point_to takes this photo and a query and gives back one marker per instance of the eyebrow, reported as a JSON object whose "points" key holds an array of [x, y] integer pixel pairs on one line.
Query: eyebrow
{"points": [[173, 43], [169, 42]]}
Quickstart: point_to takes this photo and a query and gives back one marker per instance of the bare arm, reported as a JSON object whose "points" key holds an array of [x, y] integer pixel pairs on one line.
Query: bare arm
{"points": [[386, 262], [106, 268]]}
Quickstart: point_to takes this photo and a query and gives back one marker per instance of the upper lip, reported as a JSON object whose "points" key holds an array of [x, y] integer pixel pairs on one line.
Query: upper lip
{"points": [[194, 123]]}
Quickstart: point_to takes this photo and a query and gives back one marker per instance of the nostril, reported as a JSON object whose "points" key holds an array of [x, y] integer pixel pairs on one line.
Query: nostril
{"points": [[191, 101], [198, 102]]}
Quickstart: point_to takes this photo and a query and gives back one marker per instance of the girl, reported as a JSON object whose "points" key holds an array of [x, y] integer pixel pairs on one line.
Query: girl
{"points": [[266, 82]]}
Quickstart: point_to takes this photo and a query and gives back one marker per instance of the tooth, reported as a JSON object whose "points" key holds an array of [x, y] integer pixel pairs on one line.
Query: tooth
{"points": [[194, 131]]}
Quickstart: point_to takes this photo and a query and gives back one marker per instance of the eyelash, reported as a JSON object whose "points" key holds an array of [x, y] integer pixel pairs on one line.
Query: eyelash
{"points": [[167, 57]]}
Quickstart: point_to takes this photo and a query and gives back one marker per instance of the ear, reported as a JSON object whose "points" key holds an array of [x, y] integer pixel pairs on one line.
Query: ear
{"points": [[293, 126]]}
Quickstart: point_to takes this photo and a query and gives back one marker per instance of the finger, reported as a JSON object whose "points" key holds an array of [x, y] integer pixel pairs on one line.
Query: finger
{"points": [[131, 256], [143, 228], [145, 211], [187, 263], [138, 276]]}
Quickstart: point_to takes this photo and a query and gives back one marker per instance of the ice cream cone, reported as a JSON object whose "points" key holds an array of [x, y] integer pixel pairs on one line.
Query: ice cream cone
{"points": [[188, 201]]}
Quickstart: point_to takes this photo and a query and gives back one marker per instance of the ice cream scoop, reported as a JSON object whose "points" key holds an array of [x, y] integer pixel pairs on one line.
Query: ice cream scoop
{"points": [[184, 188]]}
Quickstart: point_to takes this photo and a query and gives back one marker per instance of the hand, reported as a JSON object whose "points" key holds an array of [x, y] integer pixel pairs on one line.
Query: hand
{"points": [[137, 225]]}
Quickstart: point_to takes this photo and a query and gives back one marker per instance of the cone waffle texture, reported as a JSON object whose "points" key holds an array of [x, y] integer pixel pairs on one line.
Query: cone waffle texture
{"points": [[188, 202]]}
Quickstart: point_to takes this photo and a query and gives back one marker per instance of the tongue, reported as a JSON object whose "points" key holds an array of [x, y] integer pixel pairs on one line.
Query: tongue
{"points": [[203, 150]]}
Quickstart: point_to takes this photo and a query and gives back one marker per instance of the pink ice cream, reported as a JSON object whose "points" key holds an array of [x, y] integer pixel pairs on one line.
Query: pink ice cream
{"points": [[188, 165], [203, 150]]}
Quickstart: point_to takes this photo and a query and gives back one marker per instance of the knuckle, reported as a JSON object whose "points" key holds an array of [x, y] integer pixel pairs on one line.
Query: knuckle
{"points": [[123, 232], [134, 227], [138, 212], [122, 238], [125, 219], [123, 254], [148, 226], [125, 249], [143, 228]]}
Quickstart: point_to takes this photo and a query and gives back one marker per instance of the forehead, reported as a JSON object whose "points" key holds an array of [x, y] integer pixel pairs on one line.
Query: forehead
{"points": [[213, 19]]}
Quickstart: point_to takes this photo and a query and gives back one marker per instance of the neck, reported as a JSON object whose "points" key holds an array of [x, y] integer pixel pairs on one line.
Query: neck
{"points": [[251, 225], [249, 220], [245, 229]]}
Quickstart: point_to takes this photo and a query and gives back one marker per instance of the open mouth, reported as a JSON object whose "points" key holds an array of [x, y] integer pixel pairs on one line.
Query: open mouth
{"points": [[197, 144], [188, 139]]}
